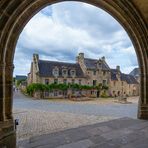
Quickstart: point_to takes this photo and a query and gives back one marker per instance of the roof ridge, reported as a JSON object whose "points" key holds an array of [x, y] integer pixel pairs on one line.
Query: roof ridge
{"points": [[91, 59], [57, 62]]}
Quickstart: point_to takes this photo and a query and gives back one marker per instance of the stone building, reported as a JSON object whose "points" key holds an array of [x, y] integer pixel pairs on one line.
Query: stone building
{"points": [[136, 73], [121, 84], [85, 71]]}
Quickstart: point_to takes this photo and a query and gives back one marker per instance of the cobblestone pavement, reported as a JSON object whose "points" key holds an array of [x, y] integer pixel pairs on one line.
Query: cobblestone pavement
{"points": [[35, 122], [37, 117]]}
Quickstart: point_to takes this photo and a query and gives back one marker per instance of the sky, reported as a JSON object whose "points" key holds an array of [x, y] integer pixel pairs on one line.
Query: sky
{"points": [[60, 31]]}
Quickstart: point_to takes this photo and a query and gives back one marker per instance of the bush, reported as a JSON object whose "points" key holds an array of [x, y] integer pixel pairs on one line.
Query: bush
{"points": [[104, 95]]}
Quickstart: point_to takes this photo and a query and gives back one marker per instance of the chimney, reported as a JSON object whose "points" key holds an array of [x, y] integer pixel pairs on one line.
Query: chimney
{"points": [[118, 68], [103, 58], [35, 57], [81, 55]]}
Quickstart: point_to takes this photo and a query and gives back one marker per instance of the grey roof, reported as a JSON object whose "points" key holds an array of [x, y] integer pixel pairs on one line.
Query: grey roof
{"points": [[135, 72], [124, 77], [130, 79], [92, 64], [113, 74], [46, 68], [20, 77]]}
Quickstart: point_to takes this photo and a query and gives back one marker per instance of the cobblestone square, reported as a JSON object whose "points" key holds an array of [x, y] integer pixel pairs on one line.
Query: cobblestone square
{"points": [[38, 117]]}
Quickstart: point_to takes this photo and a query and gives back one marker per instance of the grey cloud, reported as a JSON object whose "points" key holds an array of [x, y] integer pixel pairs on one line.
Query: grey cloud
{"points": [[64, 29]]}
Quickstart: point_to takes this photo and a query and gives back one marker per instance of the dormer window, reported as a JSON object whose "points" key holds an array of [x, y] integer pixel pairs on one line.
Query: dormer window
{"points": [[99, 64], [73, 73], [94, 72], [56, 72], [64, 72]]}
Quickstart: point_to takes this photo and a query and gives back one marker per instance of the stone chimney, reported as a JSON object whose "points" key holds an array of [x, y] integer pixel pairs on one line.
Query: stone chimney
{"points": [[118, 68], [35, 57], [81, 55], [103, 58], [80, 58]]}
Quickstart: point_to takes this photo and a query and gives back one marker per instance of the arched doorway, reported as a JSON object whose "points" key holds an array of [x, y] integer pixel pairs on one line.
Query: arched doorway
{"points": [[14, 16]]}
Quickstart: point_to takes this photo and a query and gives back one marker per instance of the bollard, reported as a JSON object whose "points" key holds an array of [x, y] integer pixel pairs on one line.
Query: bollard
{"points": [[16, 123]]}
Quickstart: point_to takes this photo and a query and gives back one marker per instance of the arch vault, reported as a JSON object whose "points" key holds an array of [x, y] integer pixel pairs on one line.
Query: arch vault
{"points": [[14, 14]]}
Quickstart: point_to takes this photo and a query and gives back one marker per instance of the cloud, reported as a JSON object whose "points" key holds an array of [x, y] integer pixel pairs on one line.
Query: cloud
{"points": [[60, 31]]}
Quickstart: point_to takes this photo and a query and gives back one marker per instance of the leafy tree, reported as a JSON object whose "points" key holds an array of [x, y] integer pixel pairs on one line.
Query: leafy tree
{"points": [[63, 87], [19, 81]]}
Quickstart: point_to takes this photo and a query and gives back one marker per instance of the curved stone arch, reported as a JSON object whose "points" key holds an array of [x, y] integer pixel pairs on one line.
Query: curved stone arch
{"points": [[14, 15]]}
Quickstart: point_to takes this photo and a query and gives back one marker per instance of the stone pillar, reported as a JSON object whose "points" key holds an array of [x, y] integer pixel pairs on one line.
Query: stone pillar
{"points": [[143, 101], [1, 94], [7, 130], [8, 91]]}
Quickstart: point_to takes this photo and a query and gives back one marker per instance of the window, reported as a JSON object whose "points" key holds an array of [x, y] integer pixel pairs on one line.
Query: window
{"points": [[47, 81], [65, 81], [46, 94], [94, 72], [122, 83], [56, 72], [73, 81], [104, 82], [64, 72], [94, 82], [55, 81], [80, 82], [55, 93], [60, 93], [99, 65], [72, 72], [104, 73], [114, 83]]}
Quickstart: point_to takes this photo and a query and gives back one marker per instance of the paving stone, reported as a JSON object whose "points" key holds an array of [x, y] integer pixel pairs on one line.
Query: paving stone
{"points": [[78, 135], [106, 145], [116, 133], [98, 139], [143, 143], [80, 144], [99, 130], [52, 141], [106, 137], [126, 139], [139, 126], [123, 123]]}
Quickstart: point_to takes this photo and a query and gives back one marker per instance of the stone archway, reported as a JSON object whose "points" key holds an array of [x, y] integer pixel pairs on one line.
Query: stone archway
{"points": [[14, 14]]}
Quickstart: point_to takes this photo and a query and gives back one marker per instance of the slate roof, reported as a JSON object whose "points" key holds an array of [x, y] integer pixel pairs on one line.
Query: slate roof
{"points": [[46, 68], [113, 74], [20, 77], [124, 77], [131, 79], [92, 64], [135, 72]]}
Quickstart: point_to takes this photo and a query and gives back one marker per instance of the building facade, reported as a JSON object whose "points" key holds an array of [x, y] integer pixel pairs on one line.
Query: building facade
{"points": [[85, 71]]}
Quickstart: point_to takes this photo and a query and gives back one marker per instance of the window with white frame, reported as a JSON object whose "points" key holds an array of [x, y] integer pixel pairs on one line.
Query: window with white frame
{"points": [[47, 81], [104, 82], [99, 65], [55, 93], [55, 81], [72, 73], [65, 81], [55, 72], [94, 72], [64, 72]]}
